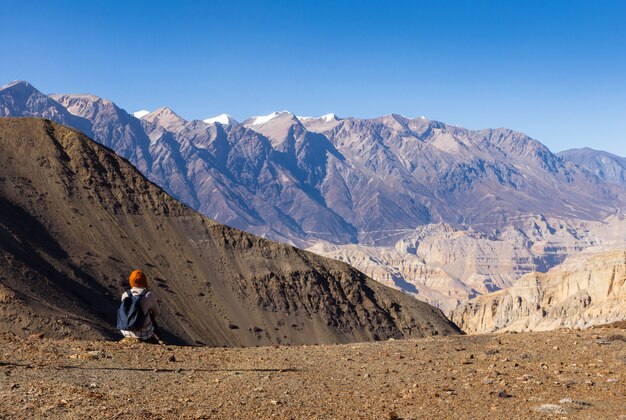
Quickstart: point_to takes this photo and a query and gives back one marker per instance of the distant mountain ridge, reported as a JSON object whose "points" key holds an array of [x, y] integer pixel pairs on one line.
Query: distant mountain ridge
{"points": [[340, 180], [367, 182], [607, 166]]}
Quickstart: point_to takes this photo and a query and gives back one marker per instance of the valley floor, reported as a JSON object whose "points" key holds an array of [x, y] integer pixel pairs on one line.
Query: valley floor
{"points": [[563, 373]]}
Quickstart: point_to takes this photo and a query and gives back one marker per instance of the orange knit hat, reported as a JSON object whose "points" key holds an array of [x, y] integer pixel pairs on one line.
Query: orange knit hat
{"points": [[138, 279]]}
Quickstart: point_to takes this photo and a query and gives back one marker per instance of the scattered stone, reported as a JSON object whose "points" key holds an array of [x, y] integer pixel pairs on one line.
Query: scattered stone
{"points": [[36, 336], [612, 380], [172, 358], [503, 394], [393, 416], [551, 408], [88, 355], [568, 400]]}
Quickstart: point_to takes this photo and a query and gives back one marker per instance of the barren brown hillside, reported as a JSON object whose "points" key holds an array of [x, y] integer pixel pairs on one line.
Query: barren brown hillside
{"points": [[75, 219]]}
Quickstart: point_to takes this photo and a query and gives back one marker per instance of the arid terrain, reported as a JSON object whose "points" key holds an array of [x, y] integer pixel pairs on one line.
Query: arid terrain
{"points": [[564, 374], [75, 219]]}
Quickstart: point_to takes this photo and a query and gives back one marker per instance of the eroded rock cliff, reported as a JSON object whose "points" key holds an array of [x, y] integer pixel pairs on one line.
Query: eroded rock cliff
{"points": [[586, 290]]}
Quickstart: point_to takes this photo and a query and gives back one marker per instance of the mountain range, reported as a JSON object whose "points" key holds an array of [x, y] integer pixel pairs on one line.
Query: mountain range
{"points": [[607, 166], [339, 180], [381, 193]]}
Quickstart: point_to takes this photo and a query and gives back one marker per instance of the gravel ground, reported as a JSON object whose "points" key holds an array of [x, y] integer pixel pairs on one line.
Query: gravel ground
{"points": [[566, 374]]}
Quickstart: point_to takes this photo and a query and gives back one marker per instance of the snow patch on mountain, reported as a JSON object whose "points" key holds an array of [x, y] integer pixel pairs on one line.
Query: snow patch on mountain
{"points": [[326, 118], [223, 119], [140, 114], [258, 120]]}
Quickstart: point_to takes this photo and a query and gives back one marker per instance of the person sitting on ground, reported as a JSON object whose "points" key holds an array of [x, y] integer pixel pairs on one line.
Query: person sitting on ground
{"points": [[149, 306]]}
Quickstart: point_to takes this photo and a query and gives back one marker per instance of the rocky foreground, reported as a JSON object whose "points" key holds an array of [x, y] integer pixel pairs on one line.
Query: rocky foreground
{"points": [[566, 373]]}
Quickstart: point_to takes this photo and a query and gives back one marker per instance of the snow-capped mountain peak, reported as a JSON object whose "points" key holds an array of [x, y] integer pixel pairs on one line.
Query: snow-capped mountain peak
{"points": [[329, 117], [141, 114], [258, 120], [223, 119], [326, 118]]}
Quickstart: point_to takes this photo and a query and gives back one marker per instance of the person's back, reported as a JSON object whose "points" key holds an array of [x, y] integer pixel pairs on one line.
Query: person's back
{"points": [[149, 306]]}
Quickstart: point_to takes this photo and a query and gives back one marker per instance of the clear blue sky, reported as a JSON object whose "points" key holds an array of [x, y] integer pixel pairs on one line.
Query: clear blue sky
{"points": [[555, 70]]}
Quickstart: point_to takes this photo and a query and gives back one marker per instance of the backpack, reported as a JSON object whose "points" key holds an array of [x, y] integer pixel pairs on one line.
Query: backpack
{"points": [[130, 316]]}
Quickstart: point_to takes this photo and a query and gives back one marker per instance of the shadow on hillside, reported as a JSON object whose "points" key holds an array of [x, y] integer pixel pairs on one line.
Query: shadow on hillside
{"points": [[49, 276]]}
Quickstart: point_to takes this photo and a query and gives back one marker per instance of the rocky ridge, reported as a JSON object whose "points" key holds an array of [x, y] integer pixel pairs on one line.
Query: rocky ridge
{"points": [[348, 180], [587, 289], [609, 167], [446, 266]]}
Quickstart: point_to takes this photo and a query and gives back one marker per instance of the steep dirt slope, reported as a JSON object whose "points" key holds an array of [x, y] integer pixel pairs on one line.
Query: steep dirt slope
{"points": [[75, 219]]}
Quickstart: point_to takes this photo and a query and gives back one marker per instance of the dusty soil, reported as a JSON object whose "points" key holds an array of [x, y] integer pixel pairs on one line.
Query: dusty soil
{"points": [[567, 374]]}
